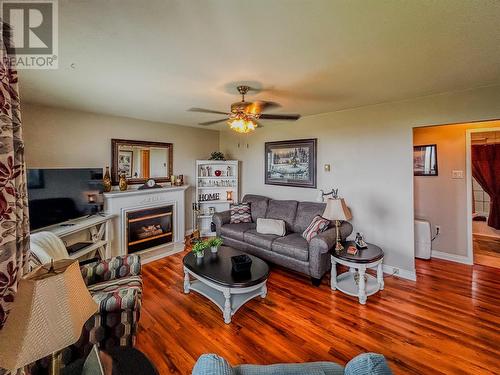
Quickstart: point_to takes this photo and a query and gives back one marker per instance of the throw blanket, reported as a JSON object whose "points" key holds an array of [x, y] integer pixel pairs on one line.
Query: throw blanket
{"points": [[46, 246]]}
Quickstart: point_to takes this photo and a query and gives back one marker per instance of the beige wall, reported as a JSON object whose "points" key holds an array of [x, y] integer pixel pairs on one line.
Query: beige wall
{"points": [[370, 151], [442, 199], [59, 138]]}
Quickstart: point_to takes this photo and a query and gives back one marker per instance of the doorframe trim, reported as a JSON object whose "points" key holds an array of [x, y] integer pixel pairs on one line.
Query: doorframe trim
{"points": [[468, 176]]}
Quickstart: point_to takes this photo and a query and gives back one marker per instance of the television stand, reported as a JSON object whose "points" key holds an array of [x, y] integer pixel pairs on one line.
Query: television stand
{"points": [[95, 228]]}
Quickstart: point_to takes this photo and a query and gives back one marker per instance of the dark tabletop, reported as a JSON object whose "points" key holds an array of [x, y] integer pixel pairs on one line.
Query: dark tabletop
{"points": [[371, 254], [218, 268]]}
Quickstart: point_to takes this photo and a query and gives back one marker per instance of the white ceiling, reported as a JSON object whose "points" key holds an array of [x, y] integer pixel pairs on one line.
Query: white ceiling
{"points": [[155, 59]]}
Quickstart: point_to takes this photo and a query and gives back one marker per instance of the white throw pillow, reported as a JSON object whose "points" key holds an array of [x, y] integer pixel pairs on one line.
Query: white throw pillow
{"points": [[271, 226]]}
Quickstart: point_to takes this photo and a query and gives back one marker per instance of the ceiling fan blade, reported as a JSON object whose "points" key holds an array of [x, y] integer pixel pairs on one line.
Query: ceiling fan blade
{"points": [[203, 110], [260, 106], [292, 117], [212, 122]]}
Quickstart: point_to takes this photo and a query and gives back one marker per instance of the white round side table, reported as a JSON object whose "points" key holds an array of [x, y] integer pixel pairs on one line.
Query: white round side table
{"points": [[356, 282]]}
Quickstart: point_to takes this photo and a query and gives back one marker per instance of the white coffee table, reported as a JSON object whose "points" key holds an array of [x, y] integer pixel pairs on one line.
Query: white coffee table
{"points": [[214, 279]]}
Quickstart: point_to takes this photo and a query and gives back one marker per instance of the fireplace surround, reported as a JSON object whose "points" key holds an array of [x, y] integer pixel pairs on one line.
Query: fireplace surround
{"points": [[147, 220]]}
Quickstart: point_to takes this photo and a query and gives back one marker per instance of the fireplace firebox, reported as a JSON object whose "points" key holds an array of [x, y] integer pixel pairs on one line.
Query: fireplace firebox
{"points": [[148, 228]]}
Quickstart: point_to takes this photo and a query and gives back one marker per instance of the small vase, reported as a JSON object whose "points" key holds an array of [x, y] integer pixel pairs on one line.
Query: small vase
{"points": [[123, 183], [200, 254], [106, 181], [214, 249]]}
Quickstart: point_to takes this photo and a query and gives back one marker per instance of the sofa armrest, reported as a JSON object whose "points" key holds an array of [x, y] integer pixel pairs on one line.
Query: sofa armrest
{"points": [[221, 218], [324, 241], [111, 269]]}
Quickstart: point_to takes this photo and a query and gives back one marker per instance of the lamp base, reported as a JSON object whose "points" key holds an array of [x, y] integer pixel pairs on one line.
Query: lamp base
{"points": [[338, 247]]}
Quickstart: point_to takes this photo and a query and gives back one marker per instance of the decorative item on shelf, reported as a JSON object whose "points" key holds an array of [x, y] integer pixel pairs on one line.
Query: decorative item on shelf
{"points": [[337, 210], [209, 197], [214, 244], [218, 172], [213, 227], [352, 250], [199, 248], [211, 210], [217, 155], [241, 263], [181, 177], [360, 242], [107, 181], [123, 182], [172, 179], [150, 184], [51, 306], [229, 171], [229, 195], [178, 182]]}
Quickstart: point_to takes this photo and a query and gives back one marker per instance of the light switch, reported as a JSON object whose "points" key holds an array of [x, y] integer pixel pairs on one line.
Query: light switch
{"points": [[456, 174], [327, 167]]}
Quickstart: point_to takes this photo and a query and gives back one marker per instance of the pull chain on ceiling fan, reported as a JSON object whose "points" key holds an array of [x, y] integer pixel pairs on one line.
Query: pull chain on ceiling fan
{"points": [[244, 116]]}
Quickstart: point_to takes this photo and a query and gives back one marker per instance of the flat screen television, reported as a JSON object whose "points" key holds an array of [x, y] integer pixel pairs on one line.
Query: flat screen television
{"points": [[58, 195]]}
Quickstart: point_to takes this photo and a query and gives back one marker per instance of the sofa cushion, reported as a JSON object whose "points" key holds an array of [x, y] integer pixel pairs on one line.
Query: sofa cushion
{"points": [[368, 364], [283, 210], [306, 211], [258, 205], [293, 246], [236, 231], [271, 226], [240, 213], [260, 240], [318, 224]]}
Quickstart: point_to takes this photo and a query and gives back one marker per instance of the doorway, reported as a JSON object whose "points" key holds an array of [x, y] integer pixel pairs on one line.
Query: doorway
{"points": [[443, 196], [483, 178]]}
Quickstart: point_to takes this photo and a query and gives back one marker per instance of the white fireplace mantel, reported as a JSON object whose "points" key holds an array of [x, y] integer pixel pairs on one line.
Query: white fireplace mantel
{"points": [[120, 202]]}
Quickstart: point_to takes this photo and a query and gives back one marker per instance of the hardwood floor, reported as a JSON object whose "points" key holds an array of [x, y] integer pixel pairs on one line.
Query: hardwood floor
{"points": [[487, 251], [446, 323]]}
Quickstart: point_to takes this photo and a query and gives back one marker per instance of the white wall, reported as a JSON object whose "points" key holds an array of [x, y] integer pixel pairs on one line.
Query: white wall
{"points": [[60, 138], [370, 151]]}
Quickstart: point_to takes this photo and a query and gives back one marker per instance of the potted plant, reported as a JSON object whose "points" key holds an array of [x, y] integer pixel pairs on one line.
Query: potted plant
{"points": [[199, 248], [215, 243]]}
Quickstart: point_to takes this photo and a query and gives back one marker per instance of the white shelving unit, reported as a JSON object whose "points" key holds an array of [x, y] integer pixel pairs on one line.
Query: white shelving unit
{"points": [[210, 182]]}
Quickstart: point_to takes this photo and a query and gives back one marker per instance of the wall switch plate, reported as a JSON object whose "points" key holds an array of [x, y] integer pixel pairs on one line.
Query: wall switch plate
{"points": [[457, 174], [327, 167]]}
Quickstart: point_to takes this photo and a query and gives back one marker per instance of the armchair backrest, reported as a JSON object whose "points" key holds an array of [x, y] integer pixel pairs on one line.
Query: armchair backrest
{"points": [[45, 246]]}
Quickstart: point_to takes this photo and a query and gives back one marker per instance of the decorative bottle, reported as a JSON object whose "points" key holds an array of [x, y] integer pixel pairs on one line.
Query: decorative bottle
{"points": [[123, 183], [106, 181]]}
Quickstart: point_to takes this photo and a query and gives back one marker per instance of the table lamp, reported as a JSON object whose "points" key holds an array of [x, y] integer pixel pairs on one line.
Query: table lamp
{"points": [[337, 210], [50, 308]]}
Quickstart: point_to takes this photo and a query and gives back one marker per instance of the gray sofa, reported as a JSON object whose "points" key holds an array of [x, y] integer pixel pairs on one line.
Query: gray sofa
{"points": [[292, 250], [363, 364]]}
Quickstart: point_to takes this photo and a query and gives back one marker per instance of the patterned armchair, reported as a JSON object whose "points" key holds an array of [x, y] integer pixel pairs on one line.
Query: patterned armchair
{"points": [[115, 285]]}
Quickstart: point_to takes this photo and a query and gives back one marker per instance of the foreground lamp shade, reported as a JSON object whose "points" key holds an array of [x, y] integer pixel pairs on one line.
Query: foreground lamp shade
{"points": [[336, 209], [49, 311]]}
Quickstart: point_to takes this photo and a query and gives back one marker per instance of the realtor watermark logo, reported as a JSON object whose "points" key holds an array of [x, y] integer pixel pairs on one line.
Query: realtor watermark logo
{"points": [[34, 33]]}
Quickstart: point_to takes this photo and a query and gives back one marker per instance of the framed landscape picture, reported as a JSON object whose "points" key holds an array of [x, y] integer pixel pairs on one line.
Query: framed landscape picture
{"points": [[291, 163], [425, 160]]}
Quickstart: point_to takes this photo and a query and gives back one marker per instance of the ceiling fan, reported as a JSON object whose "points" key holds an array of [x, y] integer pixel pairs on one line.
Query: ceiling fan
{"points": [[244, 116]]}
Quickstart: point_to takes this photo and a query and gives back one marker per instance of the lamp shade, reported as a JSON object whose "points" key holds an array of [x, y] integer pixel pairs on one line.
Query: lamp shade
{"points": [[336, 209], [47, 315]]}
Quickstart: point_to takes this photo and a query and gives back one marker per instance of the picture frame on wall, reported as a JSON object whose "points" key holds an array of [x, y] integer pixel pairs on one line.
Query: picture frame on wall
{"points": [[425, 160], [125, 163], [291, 163]]}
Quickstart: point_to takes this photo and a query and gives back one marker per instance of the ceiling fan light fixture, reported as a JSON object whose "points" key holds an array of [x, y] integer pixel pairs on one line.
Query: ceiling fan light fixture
{"points": [[242, 124]]}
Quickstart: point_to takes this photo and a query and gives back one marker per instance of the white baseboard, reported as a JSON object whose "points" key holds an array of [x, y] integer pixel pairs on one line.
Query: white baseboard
{"points": [[451, 257], [400, 272]]}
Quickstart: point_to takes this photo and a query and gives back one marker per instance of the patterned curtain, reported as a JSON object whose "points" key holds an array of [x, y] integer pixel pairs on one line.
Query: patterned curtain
{"points": [[14, 222]]}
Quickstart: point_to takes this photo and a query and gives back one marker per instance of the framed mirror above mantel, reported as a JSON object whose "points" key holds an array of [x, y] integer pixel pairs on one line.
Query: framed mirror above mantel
{"points": [[141, 160]]}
